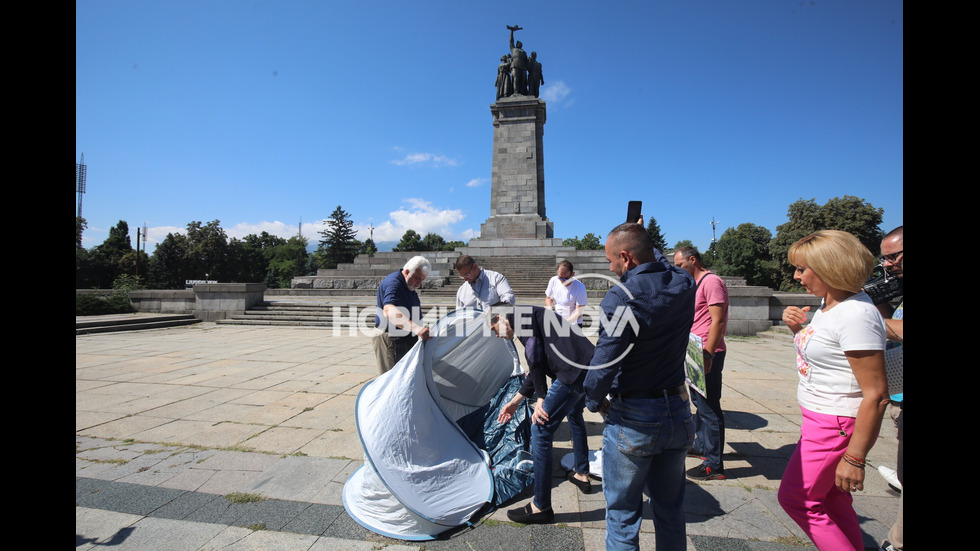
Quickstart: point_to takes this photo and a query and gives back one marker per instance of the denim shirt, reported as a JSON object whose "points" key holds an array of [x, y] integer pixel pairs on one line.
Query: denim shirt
{"points": [[648, 354]]}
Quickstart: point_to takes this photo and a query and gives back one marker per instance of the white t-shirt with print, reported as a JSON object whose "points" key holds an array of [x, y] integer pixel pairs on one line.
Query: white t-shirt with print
{"points": [[827, 384]]}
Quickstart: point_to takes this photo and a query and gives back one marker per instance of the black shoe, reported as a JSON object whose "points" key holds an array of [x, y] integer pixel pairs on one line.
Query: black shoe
{"points": [[701, 472], [525, 515], [585, 486]]}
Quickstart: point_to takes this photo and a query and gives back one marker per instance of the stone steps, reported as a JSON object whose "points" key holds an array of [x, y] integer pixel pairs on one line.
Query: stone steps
{"points": [[125, 322], [357, 315]]}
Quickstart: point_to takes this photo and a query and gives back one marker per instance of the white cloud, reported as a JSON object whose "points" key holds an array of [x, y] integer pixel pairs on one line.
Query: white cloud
{"points": [[419, 215], [425, 158], [277, 228], [476, 182], [556, 93]]}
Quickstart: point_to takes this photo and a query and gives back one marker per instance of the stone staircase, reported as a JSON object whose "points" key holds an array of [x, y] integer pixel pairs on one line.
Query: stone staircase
{"points": [[357, 315], [130, 322], [527, 275]]}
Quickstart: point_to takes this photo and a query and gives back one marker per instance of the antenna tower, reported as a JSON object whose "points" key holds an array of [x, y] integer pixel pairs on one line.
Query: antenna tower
{"points": [[714, 223], [80, 171]]}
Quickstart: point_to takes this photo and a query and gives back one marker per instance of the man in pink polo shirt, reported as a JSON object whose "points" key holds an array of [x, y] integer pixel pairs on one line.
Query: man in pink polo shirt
{"points": [[710, 322]]}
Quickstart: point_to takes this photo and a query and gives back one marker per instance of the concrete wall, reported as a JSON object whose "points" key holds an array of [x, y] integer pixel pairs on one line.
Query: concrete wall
{"points": [[207, 302], [220, 300], [163, 301]]}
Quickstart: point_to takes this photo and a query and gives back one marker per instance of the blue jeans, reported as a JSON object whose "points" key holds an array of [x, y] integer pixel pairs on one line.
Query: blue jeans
{"points": [[562, 401], [644, 445], [710, 419]]}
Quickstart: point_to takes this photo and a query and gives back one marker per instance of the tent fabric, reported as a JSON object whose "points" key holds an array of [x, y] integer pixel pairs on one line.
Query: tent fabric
{"points": [[507, 444], [422, 474]]}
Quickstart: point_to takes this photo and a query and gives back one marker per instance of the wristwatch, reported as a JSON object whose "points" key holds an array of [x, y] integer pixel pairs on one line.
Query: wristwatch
{"points": [[707, 355]]}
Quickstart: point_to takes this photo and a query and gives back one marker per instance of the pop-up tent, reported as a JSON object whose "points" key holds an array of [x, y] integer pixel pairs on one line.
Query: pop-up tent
{"points": [[424, 473]]}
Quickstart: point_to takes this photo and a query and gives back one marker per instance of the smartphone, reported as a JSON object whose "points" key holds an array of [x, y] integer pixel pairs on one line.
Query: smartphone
{"points": [[633, 211]]}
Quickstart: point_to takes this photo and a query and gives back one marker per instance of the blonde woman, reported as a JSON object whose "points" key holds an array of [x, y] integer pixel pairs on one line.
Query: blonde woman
{"points": [[842, 391]]}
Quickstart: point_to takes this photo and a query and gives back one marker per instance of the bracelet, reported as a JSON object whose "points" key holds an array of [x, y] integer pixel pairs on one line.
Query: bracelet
{"points": [[851, 460]]}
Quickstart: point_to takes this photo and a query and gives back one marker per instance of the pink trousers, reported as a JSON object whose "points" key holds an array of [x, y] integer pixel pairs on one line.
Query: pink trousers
{"points": [[808, 492]]}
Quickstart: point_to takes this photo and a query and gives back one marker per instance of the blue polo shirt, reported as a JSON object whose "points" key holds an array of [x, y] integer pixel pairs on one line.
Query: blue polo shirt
{"points": [[394, 290]]}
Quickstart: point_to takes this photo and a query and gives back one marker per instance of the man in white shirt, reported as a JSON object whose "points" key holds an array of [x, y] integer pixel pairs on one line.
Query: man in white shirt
{"points": [[566, 294], [481, 288]]}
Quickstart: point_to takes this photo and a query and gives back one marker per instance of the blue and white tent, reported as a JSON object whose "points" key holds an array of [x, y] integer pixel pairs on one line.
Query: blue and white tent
{"points": [[423, 473]]}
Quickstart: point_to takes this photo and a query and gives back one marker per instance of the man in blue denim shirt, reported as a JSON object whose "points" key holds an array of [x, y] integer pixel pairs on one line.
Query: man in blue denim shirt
{"points": [[639, 363]]}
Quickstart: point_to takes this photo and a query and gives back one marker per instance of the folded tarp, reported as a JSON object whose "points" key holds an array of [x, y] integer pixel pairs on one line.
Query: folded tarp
{"points": [[422, 475]]}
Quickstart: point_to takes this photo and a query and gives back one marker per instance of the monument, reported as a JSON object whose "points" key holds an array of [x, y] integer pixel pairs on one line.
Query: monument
{"points": [[518, 221]]}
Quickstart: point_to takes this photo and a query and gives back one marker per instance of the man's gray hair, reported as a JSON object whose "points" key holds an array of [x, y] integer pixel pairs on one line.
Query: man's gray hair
{"points": [[417, 263]]}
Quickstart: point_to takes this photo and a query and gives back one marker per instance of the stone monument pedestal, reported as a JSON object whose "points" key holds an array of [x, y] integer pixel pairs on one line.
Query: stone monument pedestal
{"points": [[517, 209]]}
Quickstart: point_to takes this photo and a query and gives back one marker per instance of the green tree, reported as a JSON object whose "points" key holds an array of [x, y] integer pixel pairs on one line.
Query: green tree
{"points": [[134, 263], [339, 244], [80, 226], [411, 241], [207, 252], [433, 242], [589, 241], [848, 213], [743, 251], [101, 266], [683, 243], [287, 260], [248, 258], [659, 241], [166, 269], [368, 247]]}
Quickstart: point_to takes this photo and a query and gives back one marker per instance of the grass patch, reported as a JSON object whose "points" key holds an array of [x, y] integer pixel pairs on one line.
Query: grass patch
{"points": [[792, 541], [240, 497]]}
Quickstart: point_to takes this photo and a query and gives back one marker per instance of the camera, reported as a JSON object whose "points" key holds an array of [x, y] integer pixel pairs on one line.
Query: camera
{"points": [[882, 287]]}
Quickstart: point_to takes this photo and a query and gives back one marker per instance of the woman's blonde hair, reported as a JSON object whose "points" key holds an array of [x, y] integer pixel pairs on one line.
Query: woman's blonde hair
{"points": [[837, 257]]}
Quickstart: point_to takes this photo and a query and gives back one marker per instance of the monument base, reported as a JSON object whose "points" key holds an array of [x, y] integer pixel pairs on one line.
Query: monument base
{"points": [[517, 226], [484, 247]]}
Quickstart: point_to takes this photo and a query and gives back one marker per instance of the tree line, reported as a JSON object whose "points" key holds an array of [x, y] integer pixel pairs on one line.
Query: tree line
{"points": [[750, 251], [204, 251]]}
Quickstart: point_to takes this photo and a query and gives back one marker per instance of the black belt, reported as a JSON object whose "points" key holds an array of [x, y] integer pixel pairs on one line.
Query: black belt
{"points": [[646, 394]]}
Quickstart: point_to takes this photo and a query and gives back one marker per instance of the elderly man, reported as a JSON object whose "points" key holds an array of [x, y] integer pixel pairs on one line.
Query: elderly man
{"points": [[482, 288], [710, 322], [399, 313], [648, 424], [893, 259]]}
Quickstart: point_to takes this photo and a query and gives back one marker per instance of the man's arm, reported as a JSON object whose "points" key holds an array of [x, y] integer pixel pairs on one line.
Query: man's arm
{"points": [[397, 317], [715, 332], [459, 297], [581, 299], [504, 290], [607, 359]]}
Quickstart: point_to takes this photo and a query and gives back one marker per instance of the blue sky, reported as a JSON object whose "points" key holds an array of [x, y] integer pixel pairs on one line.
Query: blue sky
{"points": [[265, 115]]}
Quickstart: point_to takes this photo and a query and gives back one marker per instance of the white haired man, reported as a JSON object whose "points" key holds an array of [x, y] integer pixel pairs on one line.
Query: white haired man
{"points": [[399, 314]]}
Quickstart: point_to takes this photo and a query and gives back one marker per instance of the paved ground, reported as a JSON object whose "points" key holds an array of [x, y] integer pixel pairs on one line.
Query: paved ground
{"points": [[176, 429]]}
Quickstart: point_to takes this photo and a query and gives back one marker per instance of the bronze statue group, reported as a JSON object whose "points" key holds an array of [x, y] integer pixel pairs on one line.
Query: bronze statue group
{"points": [[517, 73]]}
